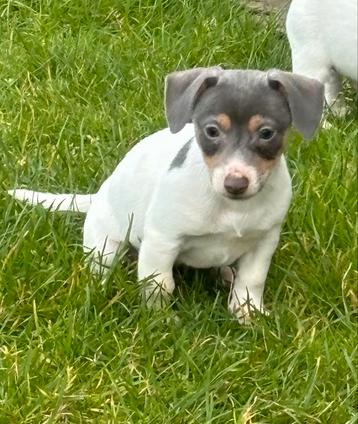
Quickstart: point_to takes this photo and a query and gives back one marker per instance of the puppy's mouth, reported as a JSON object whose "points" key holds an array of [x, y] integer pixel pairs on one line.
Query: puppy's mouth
{"points": [[239, 197], [243, 196]]}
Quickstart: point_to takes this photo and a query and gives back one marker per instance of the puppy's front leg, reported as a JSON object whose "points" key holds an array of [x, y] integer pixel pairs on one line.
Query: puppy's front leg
{"points": [[249, 284], [155, 266]]}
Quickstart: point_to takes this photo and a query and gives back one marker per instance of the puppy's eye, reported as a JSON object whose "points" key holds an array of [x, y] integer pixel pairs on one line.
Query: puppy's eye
{"points": [[212, 131], [266, 133]]}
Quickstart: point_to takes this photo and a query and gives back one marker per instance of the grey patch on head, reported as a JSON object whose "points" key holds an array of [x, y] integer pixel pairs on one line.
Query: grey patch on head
{"points": [[180, 157]]}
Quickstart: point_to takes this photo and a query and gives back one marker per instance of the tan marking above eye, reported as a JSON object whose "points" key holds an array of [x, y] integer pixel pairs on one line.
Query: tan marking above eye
{"points": [[255, 122], [224, 121]]}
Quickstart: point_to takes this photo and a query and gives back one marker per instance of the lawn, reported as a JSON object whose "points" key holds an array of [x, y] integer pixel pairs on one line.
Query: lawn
{"points": [[81, 81]]}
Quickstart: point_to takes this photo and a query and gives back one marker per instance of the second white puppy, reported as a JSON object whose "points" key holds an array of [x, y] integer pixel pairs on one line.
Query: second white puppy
{"points": [[323, 40], [206, 194]]}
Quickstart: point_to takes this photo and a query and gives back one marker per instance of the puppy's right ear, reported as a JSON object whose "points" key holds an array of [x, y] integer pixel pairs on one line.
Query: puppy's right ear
{"points": [[305, 98], [182, 90]]}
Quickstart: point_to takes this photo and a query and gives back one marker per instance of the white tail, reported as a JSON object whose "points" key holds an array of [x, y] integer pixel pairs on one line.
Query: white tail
{"points": [[55, 202]]}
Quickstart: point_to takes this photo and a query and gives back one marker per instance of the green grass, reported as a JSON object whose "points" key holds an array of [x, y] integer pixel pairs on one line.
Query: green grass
{"points": [[81, 81]]}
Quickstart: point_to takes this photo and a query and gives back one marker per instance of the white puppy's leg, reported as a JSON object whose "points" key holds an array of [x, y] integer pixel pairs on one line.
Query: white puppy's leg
{"points": [[155, 265], [102, 255], [310, 55], [247, 292], [99, 241], [332, 91]]}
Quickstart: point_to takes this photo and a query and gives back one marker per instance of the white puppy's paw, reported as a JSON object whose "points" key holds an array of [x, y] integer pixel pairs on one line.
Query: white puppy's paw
{"points": [[157, 294], [326, 125], [244, 310], [241, 311], [339, 109], [336, 110], [156, 299]]}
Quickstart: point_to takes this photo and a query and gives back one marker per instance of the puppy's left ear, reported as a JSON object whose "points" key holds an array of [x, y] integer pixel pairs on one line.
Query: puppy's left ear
{"points": [[182, 91], [305, 98]]}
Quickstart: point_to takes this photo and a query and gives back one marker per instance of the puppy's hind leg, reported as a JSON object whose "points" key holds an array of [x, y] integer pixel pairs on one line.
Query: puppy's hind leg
{"points": [[99, 242], [332, 92], [309, 53], [102, 255]]}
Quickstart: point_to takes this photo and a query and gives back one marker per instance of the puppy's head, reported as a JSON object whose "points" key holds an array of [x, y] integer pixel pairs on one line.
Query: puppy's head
{"points": [[240, 119]]}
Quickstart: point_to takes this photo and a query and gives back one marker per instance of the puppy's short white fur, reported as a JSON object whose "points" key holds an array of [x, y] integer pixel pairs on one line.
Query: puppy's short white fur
{"points": [[202, 200], [323, 40]]}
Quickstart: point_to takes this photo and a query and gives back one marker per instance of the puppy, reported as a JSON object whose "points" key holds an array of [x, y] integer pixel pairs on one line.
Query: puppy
{"points": [[210, 191], [323, 40]]}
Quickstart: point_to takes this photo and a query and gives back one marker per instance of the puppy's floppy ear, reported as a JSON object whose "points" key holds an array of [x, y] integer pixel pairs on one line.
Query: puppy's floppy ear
{"points": [[305, 98], [182, 90]]}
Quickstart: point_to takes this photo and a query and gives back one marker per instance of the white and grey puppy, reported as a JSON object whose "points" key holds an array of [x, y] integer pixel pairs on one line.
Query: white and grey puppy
{"points": [[209, 193], [323, 40]]}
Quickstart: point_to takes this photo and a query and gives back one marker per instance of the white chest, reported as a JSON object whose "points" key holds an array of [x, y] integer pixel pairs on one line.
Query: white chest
{"points": [[214, 250], [227, 237]]}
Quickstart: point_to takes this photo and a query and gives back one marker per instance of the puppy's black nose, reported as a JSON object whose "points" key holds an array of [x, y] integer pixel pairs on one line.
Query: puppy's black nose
{"points": [[235, 185]]}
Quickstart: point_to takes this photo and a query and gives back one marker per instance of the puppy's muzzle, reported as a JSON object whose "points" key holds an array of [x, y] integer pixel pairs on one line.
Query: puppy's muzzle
{"points": [[235, 185]]}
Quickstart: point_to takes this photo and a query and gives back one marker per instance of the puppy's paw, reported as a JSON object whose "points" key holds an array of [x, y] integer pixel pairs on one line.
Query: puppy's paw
{"points": [[244, 311], [156, 299], [157, 295], [326, 125], [339, 109], [241, 311]]}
